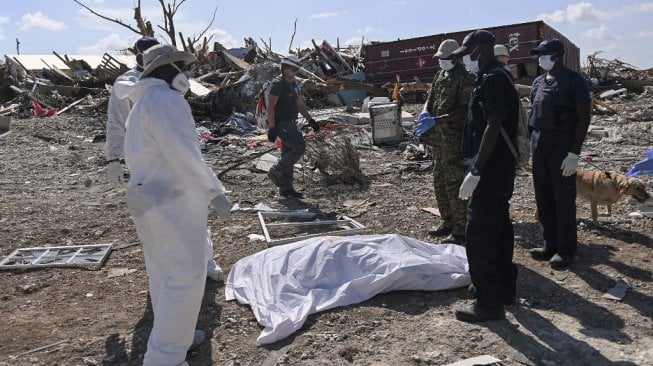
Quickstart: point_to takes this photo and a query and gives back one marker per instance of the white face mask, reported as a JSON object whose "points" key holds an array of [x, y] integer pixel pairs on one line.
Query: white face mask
{"points": [[546, 63], [446, 65], [470, 65], [180, 82]]}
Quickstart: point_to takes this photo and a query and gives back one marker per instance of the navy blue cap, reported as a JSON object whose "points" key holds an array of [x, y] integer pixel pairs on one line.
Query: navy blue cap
{"points": [[143, 44], [473, 39], [548, 47]]}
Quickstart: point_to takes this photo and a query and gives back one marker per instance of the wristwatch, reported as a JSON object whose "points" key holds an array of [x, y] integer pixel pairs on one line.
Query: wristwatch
{"points": [[475, 171]]}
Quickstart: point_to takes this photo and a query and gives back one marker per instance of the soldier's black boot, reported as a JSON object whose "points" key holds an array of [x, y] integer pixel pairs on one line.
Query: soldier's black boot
{"points": [[440, 230]]}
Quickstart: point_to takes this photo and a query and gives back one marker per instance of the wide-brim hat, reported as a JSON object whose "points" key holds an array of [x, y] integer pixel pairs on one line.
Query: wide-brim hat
{"points": [[446, 48], [163, 54], [473, 39]]}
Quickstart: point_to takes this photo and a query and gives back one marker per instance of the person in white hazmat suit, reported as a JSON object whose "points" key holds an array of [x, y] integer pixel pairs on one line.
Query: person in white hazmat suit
{"points": [[167, 196], [117, 112]]}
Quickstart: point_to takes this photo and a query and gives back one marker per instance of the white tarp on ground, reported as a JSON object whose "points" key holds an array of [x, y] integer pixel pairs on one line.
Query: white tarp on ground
{"points": [[286, 283]]}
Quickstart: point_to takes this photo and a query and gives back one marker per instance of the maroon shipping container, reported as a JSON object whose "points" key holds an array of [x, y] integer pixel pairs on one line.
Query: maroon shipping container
{"points": [[413, 58]]}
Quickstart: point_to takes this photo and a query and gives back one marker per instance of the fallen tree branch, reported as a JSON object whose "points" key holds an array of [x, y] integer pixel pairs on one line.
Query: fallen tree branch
{"points": [[243, 160]]}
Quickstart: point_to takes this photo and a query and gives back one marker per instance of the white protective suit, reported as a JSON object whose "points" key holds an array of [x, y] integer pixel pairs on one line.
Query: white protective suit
{"points": [[117, 112], [168, 195]]}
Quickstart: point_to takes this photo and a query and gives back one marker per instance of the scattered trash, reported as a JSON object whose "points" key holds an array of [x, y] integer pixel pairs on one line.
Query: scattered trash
{"points": [[38, 349], [118, 272], [477, 361], [433, 211], [266, 162], [644, 167], [618, 291], [63, 256], [255, 237], [296, 225], [613, 93], [636, 215]]}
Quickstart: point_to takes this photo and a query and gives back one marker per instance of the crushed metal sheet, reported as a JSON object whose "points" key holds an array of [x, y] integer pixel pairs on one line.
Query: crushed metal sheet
{"points": [[618, 292], [63, 256], [348, 225]]}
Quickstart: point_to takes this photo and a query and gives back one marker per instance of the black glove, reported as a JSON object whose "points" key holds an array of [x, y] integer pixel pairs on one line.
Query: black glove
{"points": [[314, 125], [272, 134]]}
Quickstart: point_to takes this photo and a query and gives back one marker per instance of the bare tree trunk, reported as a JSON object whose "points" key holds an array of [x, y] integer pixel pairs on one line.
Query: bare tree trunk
{"points": [[145, 27], [293, 37]]}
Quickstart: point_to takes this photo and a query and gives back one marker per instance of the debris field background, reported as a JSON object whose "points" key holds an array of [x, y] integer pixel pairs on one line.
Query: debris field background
{"points": [[54, 192]]}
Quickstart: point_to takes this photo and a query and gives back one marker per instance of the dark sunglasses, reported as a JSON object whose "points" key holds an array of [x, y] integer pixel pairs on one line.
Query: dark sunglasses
{"points": [[294, 69]]}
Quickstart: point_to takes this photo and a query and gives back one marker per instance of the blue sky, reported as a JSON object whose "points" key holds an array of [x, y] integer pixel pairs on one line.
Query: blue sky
{"points": [[618, 27]]}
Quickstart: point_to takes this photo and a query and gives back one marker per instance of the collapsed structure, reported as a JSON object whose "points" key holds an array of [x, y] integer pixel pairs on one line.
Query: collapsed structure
{"points": [[228, 82]]}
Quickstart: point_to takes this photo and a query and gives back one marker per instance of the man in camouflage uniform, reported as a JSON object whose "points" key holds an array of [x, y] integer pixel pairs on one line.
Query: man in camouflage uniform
{"points": [[447, 101]]}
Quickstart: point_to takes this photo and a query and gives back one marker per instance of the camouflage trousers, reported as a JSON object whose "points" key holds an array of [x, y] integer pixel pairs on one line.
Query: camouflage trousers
{"points": [[448, 175]]}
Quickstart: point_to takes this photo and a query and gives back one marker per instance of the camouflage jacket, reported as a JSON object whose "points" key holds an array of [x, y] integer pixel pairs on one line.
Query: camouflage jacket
{"points": [[449, 90]]}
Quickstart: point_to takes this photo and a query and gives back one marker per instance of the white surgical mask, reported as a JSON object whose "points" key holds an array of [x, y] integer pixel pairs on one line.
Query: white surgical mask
{"points": [[470, 65], [446, 65], [546, 63], [180, 82]]}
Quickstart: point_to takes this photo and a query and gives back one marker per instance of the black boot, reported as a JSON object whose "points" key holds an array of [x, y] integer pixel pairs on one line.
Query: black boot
{"points": [[454, 239], [476, 313], [275, 178], [561, 261], [290, 193], [542, 254], [440, 230]]}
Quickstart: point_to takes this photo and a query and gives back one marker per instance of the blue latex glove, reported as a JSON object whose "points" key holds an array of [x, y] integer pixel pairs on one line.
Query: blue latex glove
{"points": [[424, 123], [272, 134]]}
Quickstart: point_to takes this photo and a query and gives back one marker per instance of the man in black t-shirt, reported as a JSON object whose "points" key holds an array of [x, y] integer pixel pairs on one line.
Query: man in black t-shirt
{"points": [[489, 183], [284, 101]]}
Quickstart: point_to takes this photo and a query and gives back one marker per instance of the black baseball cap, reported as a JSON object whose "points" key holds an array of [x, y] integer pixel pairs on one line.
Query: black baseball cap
{"points": [[473, 39], [143, 43], [548, 47]]}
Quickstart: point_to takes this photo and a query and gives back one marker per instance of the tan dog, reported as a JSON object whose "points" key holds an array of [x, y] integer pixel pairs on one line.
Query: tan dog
{"points": [[601, 188]]}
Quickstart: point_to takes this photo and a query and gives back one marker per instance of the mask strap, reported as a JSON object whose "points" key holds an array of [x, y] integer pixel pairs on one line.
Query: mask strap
{"points": [[180, 70], [474, 50]]}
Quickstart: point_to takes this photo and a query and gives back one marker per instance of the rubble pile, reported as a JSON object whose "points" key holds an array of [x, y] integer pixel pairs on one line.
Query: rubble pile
{"points": [[228, 81], [605, 74]]}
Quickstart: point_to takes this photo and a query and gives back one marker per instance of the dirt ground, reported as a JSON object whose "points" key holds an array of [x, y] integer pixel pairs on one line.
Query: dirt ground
{"points": [[55, 192]]}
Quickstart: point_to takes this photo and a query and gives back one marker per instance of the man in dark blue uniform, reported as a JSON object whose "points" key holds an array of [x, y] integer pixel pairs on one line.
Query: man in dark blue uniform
{"points": [[488, 185], [284, 101], [560, 116]]}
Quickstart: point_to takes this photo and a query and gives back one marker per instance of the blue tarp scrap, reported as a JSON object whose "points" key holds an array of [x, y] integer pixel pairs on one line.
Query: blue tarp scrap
{"points": [[644, 167]]}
